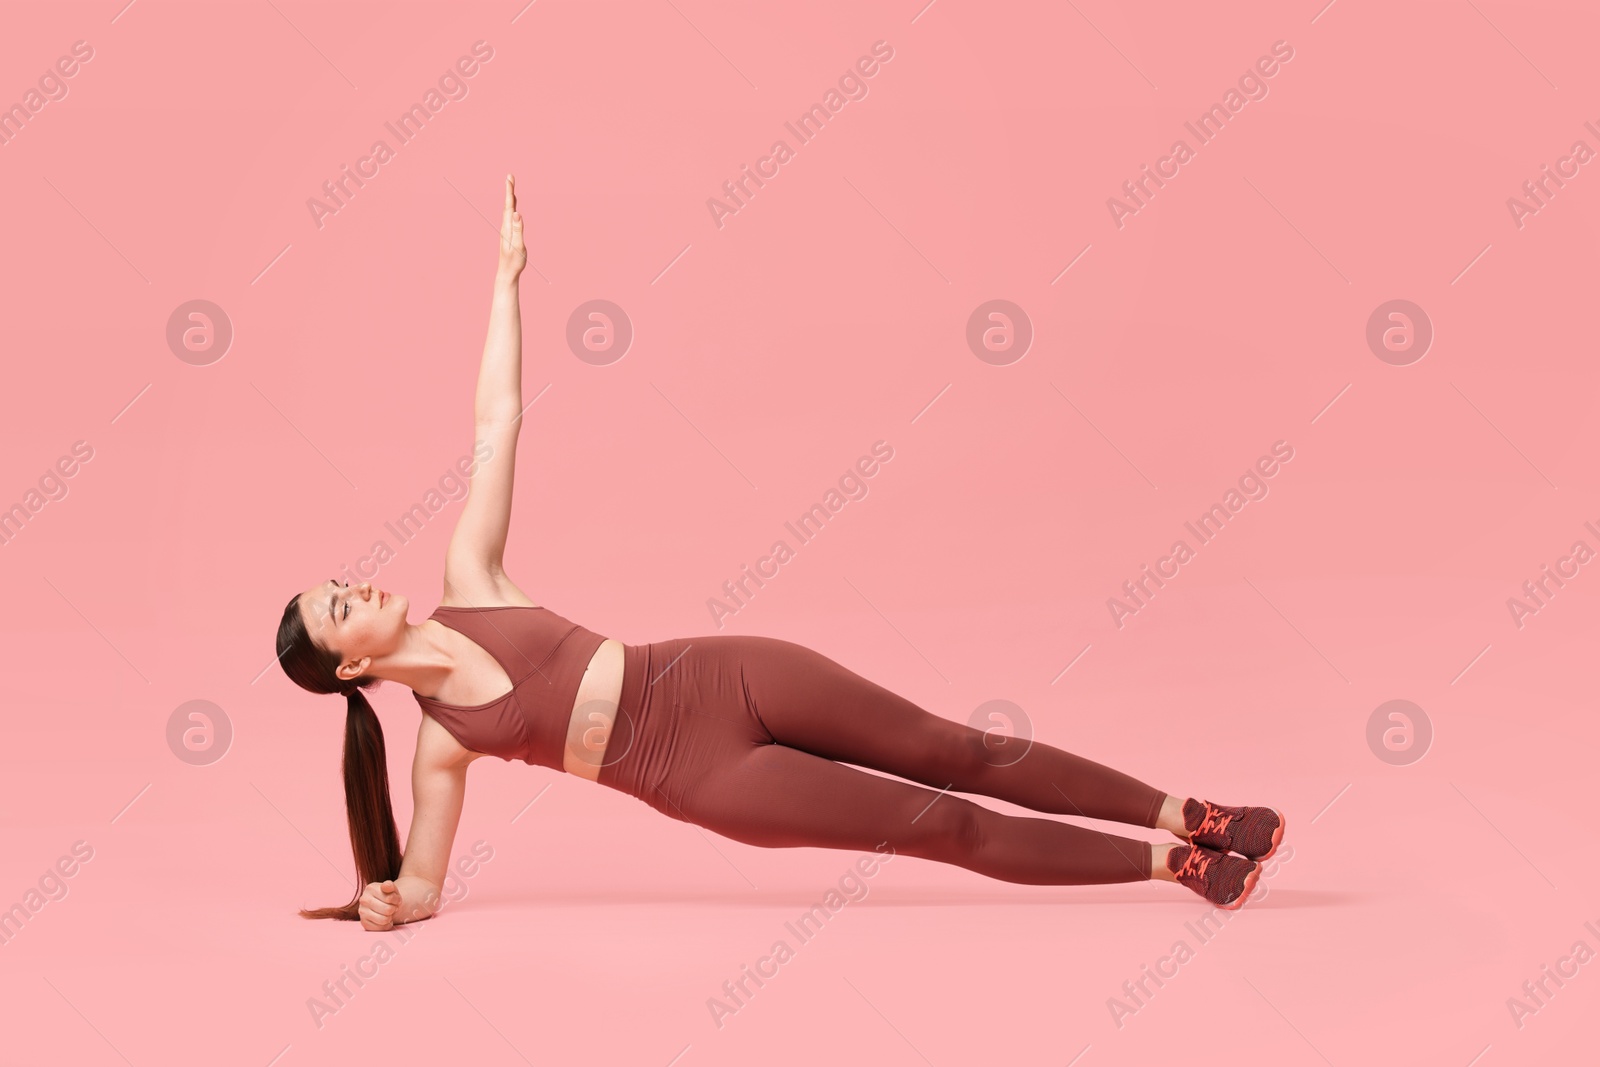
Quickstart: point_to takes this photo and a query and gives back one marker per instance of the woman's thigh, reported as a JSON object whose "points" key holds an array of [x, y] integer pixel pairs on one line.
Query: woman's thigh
{"points": [[728, 771], [810, 702], [779, 797]]}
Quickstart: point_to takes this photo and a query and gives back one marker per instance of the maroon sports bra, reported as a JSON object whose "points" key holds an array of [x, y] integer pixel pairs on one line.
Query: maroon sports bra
{"points": [[545, 656]]}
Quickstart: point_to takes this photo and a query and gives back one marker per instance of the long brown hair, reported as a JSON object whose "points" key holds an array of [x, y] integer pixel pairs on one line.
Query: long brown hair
{"points": [[373, 835]]}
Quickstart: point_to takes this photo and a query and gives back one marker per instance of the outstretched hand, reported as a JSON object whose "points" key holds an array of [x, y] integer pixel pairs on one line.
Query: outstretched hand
{"points": [[513, 255]]}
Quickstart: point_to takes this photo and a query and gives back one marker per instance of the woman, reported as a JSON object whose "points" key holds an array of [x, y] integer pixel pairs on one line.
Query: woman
{"points": [[736, 734]]}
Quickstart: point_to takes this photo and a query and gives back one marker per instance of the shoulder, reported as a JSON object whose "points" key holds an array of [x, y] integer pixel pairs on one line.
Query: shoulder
{"points": [[438, 749]]}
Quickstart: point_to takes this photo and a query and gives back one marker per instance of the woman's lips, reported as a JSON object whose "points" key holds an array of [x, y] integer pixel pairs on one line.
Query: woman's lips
{"points": [[382, 596]]}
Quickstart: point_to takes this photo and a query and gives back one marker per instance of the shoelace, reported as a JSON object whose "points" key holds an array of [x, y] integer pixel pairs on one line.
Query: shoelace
{"points": [[1216, 819], [1194, 865]]}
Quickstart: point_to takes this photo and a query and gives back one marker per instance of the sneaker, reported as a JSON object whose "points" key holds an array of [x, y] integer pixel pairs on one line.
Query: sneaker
{"points": [[1253, 833], [1222, 879]]}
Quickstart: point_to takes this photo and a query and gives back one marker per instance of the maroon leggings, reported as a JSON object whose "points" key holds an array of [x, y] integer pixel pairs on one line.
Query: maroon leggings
{"points": [[749, 736]]}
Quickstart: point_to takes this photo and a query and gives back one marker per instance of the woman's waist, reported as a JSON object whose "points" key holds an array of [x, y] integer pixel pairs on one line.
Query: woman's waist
{"points": [[609, 731], [601, 684], [594, 705], [630, 686]]}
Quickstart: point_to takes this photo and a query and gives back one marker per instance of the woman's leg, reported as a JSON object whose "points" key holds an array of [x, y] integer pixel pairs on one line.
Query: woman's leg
{"points": [[779, 797], [809, 702], [705, 756]]}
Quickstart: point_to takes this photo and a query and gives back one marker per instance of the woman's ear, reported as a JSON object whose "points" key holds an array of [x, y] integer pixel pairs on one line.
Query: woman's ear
{"points": [[353, 669]]}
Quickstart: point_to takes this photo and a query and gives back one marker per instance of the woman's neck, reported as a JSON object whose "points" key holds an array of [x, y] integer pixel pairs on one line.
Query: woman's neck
{"points": [[425, 659]]}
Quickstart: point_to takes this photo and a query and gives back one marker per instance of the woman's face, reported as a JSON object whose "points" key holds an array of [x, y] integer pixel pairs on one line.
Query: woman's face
{"points": [[359, 622]]}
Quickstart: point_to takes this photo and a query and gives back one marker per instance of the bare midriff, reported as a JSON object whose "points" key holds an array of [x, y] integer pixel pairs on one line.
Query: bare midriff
{"points": [[594, 712]]}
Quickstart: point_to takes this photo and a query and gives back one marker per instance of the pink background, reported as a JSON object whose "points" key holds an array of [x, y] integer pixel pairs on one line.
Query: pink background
{"points": [[829, 313]]}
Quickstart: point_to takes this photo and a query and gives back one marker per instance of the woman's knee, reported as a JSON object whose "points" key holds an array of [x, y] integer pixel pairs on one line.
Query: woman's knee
{"points": [[964, 756], [950, 827]]}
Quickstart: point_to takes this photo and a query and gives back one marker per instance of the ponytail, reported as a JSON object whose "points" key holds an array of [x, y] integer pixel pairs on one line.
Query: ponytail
{"points": [[373, 836]]}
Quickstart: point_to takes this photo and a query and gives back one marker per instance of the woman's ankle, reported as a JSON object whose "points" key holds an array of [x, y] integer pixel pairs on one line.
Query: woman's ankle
{"points": [[1159, 871], [1171, 817]]}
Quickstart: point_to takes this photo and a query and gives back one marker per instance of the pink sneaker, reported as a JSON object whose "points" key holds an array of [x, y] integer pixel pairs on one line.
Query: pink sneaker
{"points": [[1222, 879], [1253, 833]]}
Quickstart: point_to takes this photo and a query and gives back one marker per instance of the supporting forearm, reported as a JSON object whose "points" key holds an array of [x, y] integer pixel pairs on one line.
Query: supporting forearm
{"points": [[499, 396]]}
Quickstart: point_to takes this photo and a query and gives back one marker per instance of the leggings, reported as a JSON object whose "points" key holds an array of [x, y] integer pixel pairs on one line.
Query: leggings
{"points": [[749, 737]]}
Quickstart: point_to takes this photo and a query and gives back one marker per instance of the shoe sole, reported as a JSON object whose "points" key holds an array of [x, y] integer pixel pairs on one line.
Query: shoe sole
{"points": [[1277, 836], [1250, 881]]}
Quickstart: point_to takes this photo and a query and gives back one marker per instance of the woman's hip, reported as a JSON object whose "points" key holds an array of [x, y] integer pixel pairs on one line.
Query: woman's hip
{"points": [[684, 711]]}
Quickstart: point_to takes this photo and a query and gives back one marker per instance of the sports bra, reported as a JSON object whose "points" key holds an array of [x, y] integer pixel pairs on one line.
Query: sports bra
{"points": [[545, 656]]}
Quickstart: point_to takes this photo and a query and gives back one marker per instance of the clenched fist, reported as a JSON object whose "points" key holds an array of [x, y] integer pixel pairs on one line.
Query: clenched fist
{"points": [[378, 904]]}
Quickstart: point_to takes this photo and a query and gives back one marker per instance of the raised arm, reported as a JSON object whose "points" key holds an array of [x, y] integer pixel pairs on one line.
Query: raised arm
{"points": [[473, 571]]}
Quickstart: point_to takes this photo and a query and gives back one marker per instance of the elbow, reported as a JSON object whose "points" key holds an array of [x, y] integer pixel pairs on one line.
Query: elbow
{"points": [[424, 906], [497, 419]]}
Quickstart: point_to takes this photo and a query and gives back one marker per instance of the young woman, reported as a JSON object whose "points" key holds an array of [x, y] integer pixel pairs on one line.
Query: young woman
{"points": [[746, 736]]}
